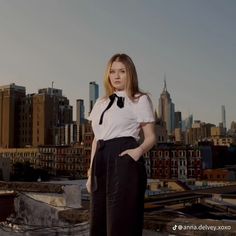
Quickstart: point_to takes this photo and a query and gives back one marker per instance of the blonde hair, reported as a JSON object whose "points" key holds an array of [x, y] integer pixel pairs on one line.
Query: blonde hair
{"points": [[132, 88]]}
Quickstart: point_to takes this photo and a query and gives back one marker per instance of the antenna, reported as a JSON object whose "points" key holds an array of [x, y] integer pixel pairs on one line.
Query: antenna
{"points": [[165, 87]]}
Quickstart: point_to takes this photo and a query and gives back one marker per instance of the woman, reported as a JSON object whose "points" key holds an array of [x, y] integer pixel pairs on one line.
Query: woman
{"points": [[117, 176]]}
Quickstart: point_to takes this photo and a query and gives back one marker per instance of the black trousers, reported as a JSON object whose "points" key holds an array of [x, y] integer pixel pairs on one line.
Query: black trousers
{"points": [[118, 188]]}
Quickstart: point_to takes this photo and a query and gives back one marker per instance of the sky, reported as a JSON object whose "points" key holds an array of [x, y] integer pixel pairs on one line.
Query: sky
{"points": [[190, 42]]}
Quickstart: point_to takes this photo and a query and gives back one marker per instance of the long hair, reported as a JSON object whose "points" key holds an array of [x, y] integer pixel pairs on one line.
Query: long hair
{"points": [[131, 87]]}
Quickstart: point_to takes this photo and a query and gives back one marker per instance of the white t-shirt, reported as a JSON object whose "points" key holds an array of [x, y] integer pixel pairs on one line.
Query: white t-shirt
{"points": [[121, 122]]}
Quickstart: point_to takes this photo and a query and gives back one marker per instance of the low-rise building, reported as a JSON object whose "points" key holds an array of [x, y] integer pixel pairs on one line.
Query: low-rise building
{"points": [[5, 168], [57, 160], [221, 174], [174, 163]]}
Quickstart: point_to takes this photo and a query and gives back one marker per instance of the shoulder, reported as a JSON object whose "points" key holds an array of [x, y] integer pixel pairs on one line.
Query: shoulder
{"points": [[143, 108], [142, 101], [142, 98]]}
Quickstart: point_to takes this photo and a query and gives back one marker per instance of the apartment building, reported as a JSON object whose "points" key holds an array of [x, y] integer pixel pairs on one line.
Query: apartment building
{"points": [[175, 163], [56, 160], [51, 111]]}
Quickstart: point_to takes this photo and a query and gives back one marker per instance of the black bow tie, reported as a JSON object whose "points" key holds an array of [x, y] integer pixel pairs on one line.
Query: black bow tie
{"points": [[120, 104]]}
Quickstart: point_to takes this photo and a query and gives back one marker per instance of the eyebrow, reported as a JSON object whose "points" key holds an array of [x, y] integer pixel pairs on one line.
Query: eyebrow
{"points": [[123, 68]]}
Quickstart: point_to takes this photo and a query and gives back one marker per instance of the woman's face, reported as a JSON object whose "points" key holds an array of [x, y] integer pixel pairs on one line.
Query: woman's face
{"points": [[118, 75]]}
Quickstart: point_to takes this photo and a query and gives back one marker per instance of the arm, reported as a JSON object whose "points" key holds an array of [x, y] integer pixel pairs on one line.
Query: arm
{"points": [[88, 184], [148, 142], [93, 150], [149, 137]]}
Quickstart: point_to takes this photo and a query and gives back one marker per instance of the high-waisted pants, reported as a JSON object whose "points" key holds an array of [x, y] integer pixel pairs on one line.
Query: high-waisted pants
{"points": [[118, 188]]}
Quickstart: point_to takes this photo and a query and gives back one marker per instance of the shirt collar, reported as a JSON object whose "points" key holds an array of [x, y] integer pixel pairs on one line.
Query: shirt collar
{"points": [[120, 93]]}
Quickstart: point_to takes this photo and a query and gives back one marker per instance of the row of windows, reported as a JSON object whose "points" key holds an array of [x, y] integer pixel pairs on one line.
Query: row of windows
{"points": [[175, 162], [180, 172], [65, 167], [176, 153], [25, 123], [62, 151], [26, 140], [63, 160], [161, 138], [223, 176], [77, 151], [25, 131], [19, 154]]}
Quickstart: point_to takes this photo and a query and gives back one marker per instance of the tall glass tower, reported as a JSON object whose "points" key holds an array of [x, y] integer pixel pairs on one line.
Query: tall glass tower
{"points": [[79, 118], [223, 116], [93, 94]]}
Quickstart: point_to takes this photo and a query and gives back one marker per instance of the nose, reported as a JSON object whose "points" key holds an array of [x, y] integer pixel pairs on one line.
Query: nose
{"points": [[117, 75]]}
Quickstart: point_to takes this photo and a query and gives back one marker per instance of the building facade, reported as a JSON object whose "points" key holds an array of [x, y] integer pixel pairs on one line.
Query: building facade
{"points": [[178, 120], [175, 163], [200, 131], [51, 111], [56, 160], [25, 117], [10, 97], [33, 119], [5, 168], [166, 110], [217, 175], [80, 119]]}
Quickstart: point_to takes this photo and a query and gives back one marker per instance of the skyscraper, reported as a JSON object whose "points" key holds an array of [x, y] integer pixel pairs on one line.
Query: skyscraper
{"points": [[10, 99], [93, 94], [51, 111], [166, 110], [223, 116]]}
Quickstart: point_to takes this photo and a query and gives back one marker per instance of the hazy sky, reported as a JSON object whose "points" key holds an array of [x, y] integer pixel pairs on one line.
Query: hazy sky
{"points": [[69, 42]]}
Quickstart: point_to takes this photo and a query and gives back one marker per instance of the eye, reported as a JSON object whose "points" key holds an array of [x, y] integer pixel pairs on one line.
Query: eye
{"points": [[112, 71], [123, 71]]}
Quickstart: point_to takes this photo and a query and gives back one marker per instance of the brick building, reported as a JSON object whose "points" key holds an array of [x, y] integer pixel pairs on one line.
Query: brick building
{"points": [[10, 97], [174, 163]]}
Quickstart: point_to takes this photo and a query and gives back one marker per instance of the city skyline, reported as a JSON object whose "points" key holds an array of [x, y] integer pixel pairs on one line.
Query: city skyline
{"points": [[93, 92], [70, 42]]}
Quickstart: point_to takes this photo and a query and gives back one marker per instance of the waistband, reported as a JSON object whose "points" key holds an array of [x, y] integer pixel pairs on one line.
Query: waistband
{"points": [[102, 143]]}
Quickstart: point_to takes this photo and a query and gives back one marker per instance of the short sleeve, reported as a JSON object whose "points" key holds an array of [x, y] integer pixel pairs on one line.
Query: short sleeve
{"points": [[144, 110]]}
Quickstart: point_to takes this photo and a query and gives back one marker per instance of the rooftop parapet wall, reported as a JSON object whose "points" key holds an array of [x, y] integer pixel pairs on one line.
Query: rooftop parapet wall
{"points": [[32, 187], [47, 209], [61, 195]]}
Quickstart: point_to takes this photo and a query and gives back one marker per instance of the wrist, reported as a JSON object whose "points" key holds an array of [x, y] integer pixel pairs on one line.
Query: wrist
{"points": [[89, 172], [141, 149]]}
